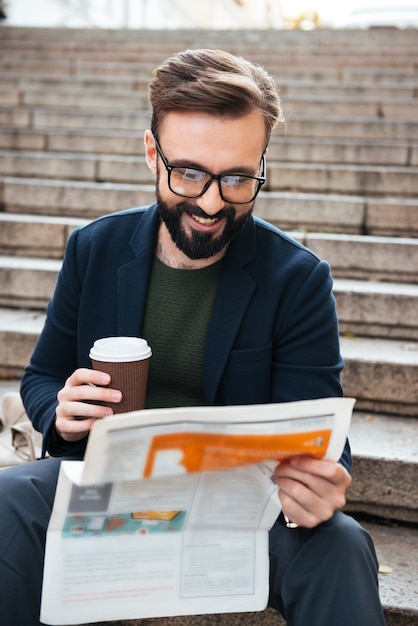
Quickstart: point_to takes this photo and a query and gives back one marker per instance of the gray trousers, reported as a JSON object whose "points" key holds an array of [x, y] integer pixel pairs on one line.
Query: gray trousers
{"points": [[320, 577]]}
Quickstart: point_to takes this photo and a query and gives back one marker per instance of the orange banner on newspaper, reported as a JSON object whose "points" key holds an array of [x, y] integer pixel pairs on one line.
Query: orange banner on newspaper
{"points": [[201, 452]]}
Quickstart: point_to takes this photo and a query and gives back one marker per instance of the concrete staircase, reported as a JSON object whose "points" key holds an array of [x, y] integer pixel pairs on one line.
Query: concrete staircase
{"points": [[343, 178]]}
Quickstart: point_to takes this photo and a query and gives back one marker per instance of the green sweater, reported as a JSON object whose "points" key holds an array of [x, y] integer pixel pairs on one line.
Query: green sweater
{"points": [[177, 315]]}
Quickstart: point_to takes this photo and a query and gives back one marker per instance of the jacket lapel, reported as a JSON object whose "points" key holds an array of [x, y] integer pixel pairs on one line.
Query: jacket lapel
{"points": [[235, 290], [133, 277]]}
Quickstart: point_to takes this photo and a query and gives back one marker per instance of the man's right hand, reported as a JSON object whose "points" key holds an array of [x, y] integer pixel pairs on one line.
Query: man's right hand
{"points": [[77, 409]]}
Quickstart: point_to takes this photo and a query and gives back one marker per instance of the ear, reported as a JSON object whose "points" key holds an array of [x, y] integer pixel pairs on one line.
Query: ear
{"points": [[150, 151]]}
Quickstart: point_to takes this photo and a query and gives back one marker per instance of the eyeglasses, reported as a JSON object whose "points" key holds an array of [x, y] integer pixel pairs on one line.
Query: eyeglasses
{"points": [[191, 182]]}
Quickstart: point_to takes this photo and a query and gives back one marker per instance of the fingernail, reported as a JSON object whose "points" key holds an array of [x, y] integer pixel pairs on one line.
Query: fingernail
{"points": [[116, 396]]}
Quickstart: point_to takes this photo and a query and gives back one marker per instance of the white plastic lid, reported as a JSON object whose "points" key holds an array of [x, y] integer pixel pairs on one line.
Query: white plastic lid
{"points": [[120, 349]]}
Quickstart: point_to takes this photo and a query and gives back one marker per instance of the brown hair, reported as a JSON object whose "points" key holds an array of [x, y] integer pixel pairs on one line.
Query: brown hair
{"points": [[214, 82]]}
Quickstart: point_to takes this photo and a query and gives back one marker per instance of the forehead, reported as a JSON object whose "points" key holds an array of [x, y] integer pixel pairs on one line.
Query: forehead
{"points": [[214, 142]]}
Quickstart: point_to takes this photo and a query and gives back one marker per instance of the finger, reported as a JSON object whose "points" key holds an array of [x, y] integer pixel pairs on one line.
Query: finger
{"points": [[74, 420], [330, 470], [82, 410], [86, 376], [73, 430], [308, 469], [295, 512], [306, 498], [302, 481], [73, 426], [88, 393], [314, 492]]}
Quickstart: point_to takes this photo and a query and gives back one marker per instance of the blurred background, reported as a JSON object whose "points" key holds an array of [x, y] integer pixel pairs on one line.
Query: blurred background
{"points": [[212, 14]]}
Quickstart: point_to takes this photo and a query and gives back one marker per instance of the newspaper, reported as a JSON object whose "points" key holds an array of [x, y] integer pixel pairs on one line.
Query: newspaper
{"points": [[169, 512]]}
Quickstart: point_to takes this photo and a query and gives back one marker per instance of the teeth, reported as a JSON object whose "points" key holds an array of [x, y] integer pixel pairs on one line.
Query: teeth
{"points": [[205, 221]]}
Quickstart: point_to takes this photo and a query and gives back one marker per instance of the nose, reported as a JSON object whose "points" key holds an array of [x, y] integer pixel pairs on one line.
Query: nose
{"points": [[211, 202]]}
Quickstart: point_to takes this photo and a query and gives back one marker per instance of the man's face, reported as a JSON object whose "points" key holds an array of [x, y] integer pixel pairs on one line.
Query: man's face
{"points": [[201, 228], [198, 243]]}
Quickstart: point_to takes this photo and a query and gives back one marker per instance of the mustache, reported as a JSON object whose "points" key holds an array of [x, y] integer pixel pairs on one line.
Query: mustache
{"points": [[193, 209]]}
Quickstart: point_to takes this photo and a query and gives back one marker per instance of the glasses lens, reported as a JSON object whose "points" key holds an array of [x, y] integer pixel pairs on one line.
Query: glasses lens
{"points": [[188, 182], [192, 183], [239, 188]]}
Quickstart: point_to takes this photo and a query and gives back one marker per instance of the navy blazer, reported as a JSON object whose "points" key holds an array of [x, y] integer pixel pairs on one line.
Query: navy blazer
{"points": [[273, 334]]}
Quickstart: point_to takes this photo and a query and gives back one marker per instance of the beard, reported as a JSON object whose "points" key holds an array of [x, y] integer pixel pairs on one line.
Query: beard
{"points": [[200, 245]]}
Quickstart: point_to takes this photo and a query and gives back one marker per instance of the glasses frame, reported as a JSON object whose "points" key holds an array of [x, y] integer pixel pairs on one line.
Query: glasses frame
{"points": [[218, 177]]}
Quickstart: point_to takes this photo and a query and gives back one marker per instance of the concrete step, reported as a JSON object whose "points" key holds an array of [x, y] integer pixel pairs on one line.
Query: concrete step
{"points": [[10, 97], [349, 128], [80, 98], [392, 259], [365, 180], [298, 125], [48, 165], [158, 40], [390, 216], [339, 213], [91, 141], [71, 198], [26, 81], [388, 259], [119, 61], [378, 180], [338, 151], [383, 449], [365, 77], [396, 548], [365, 308], [35, 236], [15, 118], [372, 309], [102, 85], [75, 166], [35, 118], [27, 282], [358, 257], [287, 51], [289, 210], [350, 88], [327, 42], [382, 374], [354, 107], [286, 149], [310, 104], [338, 43], [19, 331]]}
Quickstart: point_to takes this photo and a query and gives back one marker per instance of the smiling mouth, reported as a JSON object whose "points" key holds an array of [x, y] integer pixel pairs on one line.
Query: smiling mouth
{"points": [[205, 221]]}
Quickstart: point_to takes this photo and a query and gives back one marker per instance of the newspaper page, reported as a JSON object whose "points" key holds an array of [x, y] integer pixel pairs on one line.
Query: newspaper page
{"points": [[170, 511], [157, 442]]}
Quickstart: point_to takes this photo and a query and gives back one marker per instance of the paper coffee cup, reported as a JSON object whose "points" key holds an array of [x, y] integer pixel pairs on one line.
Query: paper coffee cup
{"points": [[126, 359]]}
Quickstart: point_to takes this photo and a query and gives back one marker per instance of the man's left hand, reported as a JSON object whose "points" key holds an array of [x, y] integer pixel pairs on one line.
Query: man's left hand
{"points": [[311, 490]]}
